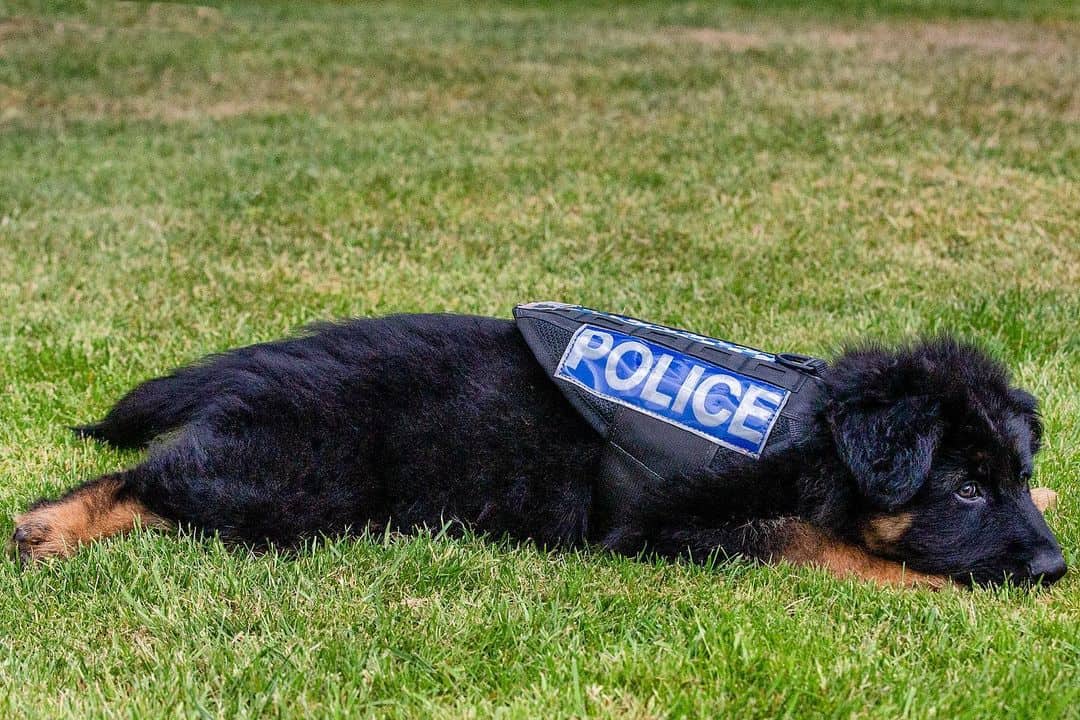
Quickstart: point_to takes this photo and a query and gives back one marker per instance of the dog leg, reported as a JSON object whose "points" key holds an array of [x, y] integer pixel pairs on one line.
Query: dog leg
{"points": [[769, 541], [808, 545], [95, 510]]}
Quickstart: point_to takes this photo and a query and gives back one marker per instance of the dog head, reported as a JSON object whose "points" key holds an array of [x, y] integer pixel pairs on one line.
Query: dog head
{"points": [[940, 449]]}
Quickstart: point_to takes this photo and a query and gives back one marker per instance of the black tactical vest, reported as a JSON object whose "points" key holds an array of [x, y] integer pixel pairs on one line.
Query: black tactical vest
{"points": [[669, 403]]}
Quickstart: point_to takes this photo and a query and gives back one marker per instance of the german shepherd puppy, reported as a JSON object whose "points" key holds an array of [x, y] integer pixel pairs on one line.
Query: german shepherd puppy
{"points": [[915, 470]]}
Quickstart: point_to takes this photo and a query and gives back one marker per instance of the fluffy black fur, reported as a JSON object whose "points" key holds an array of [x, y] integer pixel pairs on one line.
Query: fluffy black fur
{"points": [[410, 421]]}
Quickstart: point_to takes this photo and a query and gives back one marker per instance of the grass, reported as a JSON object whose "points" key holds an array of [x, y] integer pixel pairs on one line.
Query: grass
{"points": [[178, 180]]}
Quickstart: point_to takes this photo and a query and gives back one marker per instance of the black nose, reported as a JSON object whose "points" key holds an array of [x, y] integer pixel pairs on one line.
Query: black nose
{"points": [[1048, 566]]}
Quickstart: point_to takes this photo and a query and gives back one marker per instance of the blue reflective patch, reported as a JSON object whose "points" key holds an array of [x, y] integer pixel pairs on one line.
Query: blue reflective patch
{"points": [[725, 407]]}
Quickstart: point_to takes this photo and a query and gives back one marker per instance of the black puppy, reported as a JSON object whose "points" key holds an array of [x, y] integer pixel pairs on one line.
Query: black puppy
{"points": [[915, 468]]}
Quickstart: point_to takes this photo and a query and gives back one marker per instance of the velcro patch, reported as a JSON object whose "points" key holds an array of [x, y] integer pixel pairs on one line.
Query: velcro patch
{"points": [[715, 403]]}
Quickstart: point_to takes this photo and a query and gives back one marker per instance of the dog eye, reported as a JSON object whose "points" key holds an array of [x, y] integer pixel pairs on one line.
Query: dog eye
{"points": [[969, 491]]}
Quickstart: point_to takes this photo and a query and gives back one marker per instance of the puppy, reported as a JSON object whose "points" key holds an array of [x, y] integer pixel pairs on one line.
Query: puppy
{"points": [[914, 470]]}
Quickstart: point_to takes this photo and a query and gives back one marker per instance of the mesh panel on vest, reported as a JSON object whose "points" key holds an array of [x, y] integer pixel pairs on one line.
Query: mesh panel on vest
{"points": [[782, 429], [556, 340], [725, 459]]}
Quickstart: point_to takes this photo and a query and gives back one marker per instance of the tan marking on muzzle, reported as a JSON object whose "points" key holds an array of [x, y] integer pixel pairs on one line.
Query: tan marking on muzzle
{"points": [[1044, 499]]}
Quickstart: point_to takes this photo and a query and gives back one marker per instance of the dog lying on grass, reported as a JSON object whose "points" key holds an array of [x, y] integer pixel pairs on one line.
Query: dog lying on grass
{"points": [[914, 471]]}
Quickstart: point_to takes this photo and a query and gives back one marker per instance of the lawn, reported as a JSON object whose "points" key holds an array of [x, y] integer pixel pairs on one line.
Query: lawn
{"points": [[176, 180]]}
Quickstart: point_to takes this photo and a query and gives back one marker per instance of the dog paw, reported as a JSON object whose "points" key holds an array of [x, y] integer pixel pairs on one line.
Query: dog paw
{"points": [[39, 535], [1044, 498]]}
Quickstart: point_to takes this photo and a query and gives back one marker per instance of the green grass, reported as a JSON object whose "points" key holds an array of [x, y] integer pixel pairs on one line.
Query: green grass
{"points": [[177, 180]]}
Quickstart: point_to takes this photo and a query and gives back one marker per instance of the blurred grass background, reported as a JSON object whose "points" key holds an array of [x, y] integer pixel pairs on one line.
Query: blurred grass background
{"points": [[178, 179]]}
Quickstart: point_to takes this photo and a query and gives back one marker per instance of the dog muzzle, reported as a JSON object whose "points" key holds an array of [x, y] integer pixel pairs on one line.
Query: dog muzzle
{"points": [[669, 403]]}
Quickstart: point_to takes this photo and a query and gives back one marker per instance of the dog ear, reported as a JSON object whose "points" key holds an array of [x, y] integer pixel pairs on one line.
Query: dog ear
{"points": [[888, 447], [1027, 405]]}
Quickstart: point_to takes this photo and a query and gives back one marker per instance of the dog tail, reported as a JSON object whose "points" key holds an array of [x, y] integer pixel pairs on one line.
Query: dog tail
{"points": [[152, 408]]}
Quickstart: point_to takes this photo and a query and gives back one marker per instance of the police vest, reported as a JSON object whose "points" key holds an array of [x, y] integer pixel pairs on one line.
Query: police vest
{"points": [[669, 403]]}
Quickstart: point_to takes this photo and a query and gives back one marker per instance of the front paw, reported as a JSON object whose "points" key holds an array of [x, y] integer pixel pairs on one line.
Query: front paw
{"points": [[38, 535], [1044, 499]]}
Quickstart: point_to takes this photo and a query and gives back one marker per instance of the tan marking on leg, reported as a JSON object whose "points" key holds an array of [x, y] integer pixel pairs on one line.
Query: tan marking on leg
{"points": [[811, 546], [88, 513], [1044, 499], [884, 531]]}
